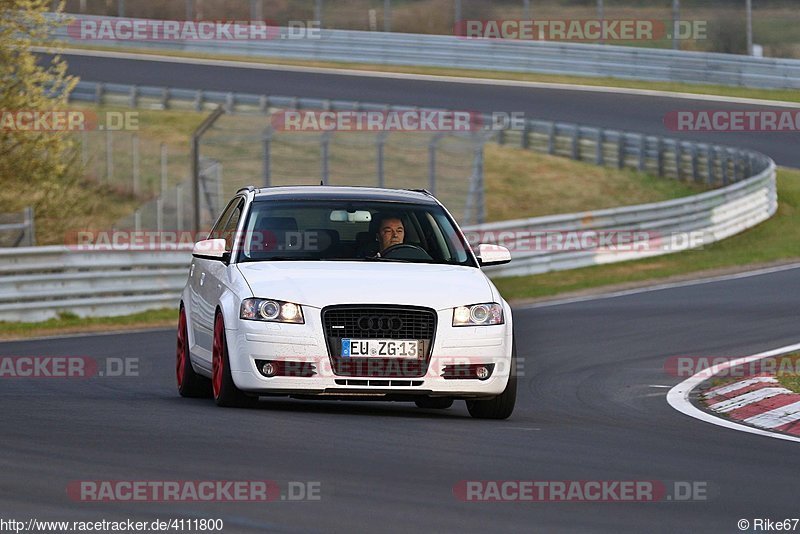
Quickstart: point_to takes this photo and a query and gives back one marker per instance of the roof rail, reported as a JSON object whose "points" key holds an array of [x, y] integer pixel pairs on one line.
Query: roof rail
{"points": [[423, 191], [246, 188]]}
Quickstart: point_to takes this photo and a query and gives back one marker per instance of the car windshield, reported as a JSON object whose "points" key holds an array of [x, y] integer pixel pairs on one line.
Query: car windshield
{"points": [[282, 230]]}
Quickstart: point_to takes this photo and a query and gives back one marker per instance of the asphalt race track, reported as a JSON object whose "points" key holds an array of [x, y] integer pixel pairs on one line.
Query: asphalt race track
{"points": [[591, 402], [587, 410], [635, 113]]}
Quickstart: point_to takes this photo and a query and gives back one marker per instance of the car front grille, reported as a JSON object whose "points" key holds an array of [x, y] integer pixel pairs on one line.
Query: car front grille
{"points": [[378, 322]]}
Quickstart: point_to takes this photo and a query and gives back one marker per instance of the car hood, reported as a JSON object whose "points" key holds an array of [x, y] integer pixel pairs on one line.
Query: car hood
{"points": [[324, 283]]}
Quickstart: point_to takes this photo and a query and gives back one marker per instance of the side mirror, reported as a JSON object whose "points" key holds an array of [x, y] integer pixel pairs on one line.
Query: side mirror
{"points": [[493, 255], [211, 249]]}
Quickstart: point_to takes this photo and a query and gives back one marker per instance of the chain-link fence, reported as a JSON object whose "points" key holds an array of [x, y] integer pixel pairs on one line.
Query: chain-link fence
{"points": [[248, 151]]}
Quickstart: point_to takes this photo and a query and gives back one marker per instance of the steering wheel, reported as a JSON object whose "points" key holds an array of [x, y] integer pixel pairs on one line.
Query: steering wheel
{"points": [[404, 251]]}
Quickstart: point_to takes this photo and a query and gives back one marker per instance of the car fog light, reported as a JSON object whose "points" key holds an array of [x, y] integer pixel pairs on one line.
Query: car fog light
{"points": [[482, 373], [268, 369]]}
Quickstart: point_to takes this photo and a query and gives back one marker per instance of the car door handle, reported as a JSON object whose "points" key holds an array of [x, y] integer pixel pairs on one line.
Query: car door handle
{"points": [[202, 278]]}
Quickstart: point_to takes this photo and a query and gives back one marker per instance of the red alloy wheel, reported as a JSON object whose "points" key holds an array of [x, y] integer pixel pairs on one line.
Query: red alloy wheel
{"points": [[217, 360], [180, 356]]}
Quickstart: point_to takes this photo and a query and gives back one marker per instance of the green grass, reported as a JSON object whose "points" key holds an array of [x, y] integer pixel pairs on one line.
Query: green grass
{"points": [[773, 240], [784, 95], [68, 323]]}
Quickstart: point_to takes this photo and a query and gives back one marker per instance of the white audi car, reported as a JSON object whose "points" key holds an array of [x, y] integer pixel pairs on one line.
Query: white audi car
{"points": [[345, 293]]}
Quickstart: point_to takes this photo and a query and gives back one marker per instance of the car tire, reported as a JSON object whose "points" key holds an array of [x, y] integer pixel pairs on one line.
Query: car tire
{"points": [[224, 391], [190, 384], [501, 406], [434, 403]]}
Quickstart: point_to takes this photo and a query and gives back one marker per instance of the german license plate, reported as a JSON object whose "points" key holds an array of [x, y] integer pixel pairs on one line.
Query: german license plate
{"points": [[382, 348]]}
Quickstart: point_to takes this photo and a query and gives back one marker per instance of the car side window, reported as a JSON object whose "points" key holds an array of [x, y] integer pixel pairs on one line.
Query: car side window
{"points": [[229, 231], [219, 226]]}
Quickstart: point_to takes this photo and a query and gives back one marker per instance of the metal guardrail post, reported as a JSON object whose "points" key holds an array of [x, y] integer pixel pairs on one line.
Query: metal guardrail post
{"points": [[576, 150], [551, 139], [621, 150], [710, 165], [525, 142], [598, 157], [642, 152]]}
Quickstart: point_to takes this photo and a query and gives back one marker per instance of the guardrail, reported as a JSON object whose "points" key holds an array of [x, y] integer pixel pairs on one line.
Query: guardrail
{"points": [[491, 54], [39, 282]]}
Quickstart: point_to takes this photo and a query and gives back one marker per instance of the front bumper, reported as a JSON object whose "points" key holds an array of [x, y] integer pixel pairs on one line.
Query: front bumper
{"points": [[305, 344]]}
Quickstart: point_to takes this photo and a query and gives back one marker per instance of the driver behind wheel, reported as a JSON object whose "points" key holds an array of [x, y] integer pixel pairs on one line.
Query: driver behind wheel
{"points": [[390, 231]]}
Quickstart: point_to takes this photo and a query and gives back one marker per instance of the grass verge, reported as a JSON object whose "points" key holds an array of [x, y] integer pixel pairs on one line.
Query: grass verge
{"points": [[773, 240], [68, 323]]}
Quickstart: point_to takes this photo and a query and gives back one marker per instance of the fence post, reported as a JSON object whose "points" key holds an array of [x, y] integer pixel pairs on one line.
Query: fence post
{"points": [[137, 220], [109, 157], [195, 151], [387, 15], [266, 155], [84, 148], [432, 162], [159, 215], [29, 225], [677, 160], [695, 174], [660, 156], [380, 145], [621, 150], [135, 160], [179, 207], [325, 145], [163, 169], [551, 139]]}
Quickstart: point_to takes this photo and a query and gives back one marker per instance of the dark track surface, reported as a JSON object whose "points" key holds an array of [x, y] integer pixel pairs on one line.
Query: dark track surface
{"points": [[635, 113], [586, 411]]}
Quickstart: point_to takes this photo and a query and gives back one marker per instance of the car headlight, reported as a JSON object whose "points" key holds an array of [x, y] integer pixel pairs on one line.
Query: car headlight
{"points": [[276, 311], [478, 315]]}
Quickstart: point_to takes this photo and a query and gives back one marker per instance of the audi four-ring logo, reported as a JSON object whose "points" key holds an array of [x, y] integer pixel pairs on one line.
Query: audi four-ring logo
{"points": [[379, 322]]}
